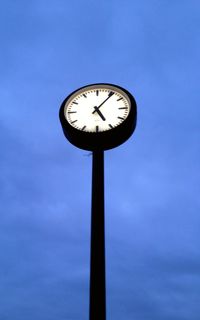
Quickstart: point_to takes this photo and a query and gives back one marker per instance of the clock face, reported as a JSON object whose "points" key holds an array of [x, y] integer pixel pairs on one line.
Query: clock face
{"points": [[97, 108]]}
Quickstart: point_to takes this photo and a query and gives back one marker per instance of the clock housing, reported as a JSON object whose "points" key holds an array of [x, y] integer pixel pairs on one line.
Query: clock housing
{"points": [[103, 139]]}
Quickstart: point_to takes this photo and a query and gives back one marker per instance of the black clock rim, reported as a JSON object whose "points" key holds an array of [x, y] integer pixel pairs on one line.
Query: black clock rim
{"points": [[104, 140]]}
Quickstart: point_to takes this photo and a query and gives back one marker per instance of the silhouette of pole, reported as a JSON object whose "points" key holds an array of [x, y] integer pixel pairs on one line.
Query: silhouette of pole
{"points": [[97, 258]]}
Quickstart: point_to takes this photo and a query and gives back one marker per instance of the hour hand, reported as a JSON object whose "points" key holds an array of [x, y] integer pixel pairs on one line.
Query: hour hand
{"points": [[99, 113]]}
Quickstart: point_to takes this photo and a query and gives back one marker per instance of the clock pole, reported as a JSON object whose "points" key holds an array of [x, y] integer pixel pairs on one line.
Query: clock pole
{"points": [[97, 255], [89, 126]]}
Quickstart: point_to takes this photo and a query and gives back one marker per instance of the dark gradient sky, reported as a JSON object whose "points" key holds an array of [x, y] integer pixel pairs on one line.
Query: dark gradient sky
{"points": [[48, 49]]}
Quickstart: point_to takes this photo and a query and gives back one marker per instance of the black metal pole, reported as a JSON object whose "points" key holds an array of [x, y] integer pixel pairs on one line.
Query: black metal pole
{"points": [[97, 258]]}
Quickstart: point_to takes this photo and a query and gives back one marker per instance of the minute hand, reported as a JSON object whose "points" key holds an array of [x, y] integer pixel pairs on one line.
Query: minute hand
{"points": [[110, 95]]}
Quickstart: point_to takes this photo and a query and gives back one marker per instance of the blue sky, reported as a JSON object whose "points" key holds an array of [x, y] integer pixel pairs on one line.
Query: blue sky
{"points": [[48, 49]]}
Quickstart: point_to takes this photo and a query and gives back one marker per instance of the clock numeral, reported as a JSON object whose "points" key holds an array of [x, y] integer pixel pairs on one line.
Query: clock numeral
{"points": [[123, 108], [110, 93], [83, 128], [74, 102], [72, 111], [97, 128], [120, 118], [74, 121], [97, 92], [120, 99], [84, 95], [110, 125]]}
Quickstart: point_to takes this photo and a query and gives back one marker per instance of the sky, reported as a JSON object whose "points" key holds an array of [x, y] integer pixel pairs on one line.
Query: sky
{"points": [[152, 205]]}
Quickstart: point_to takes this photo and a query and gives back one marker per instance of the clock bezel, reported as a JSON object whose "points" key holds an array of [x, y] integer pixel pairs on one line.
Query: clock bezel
{"points": [[103, 140]]}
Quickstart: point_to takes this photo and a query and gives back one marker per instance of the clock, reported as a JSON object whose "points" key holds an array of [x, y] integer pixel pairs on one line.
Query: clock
{"points": [[98, 116]]}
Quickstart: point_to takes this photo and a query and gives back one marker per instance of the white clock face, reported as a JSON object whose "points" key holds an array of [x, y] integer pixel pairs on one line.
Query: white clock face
{"points": [[97, 108]]}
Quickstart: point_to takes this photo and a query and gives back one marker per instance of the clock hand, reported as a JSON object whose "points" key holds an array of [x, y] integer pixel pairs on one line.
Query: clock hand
{"points": [[110, 95], [99, 113]]}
